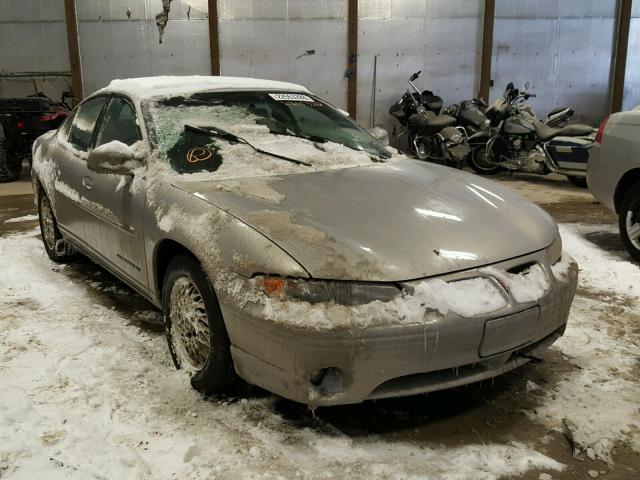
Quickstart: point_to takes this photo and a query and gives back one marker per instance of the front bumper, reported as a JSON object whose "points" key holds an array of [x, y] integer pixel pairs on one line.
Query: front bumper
{"points": [[343, 366]]}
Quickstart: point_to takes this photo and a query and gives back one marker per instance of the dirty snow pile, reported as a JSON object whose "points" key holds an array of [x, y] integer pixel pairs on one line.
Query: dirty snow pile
{"points": [[599, 403]]}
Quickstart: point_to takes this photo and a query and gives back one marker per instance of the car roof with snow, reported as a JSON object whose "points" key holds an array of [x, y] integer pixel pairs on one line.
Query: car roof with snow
{"points": [[146, 87]]}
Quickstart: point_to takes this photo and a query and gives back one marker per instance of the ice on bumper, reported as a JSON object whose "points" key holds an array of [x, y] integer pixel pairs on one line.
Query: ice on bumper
{"points": [[483, 293]]}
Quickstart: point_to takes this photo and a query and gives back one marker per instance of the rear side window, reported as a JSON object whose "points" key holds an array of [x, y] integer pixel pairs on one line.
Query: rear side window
{"points": [[84, 122], [118, 123]]}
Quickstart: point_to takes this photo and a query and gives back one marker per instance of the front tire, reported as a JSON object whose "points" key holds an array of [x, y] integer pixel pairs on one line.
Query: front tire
{"points": [[578, 181], [10, 165], [55, 246], [629, 221], [194, 327], [479, 162]]}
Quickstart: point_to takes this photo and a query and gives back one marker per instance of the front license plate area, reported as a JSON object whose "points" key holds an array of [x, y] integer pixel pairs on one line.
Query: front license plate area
{"points": [[506, 333]]}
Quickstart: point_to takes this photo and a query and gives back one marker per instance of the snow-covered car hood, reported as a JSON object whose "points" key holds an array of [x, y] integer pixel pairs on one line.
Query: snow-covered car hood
{"points": [[388, 222]]}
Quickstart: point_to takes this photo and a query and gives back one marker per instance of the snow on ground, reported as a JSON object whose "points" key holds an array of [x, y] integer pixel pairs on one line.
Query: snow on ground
{"points": [[24, 218], [601, 270], [86, 394], [600, 403]]}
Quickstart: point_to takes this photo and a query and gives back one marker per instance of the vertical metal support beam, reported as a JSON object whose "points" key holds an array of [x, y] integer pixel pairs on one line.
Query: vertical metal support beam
{"points": [[74, 48], [214, 37], [487, 48], [352, 60], [623, 21]]}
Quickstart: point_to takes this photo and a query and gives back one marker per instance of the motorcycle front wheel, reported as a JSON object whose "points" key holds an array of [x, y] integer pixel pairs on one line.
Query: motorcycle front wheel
{"points": [[480, 163]]}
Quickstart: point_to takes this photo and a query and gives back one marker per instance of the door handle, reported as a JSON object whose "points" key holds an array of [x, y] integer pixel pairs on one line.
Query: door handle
{"points": [[87, 182]]}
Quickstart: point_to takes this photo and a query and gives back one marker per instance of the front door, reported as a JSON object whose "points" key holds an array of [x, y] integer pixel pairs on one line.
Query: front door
{"points": [[116, 226]]}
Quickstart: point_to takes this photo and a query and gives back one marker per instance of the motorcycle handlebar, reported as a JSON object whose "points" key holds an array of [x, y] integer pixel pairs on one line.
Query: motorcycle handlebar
{"points": [[415, 75]]}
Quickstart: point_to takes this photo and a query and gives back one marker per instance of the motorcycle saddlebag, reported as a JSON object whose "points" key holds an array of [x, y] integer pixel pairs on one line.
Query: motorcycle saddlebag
{"points": [[456, 143], [570, 153]]}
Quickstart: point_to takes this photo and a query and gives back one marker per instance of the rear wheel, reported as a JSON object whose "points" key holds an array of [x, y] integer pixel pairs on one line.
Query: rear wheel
{"points": [[480, 163], [10, 165], [578, 181], [629, 220], [195, 330], [55, 246]]}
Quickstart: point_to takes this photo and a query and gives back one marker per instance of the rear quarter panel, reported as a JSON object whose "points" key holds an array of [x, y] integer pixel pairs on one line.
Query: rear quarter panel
{"points": [[618, 153]]}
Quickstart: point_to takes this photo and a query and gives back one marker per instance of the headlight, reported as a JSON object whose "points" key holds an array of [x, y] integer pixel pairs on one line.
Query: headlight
{"points": [[555, 250], [321, 291]]}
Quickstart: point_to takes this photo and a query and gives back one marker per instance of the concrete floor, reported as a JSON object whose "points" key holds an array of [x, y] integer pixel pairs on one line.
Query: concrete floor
{"points": [[485, 413]]}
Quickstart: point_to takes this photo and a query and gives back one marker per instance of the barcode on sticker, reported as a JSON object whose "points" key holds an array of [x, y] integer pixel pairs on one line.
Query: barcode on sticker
{"points": [[291, 97]]}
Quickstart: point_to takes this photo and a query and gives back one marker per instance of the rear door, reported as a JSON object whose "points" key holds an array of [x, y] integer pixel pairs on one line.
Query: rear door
{"points": [[115, 229]]}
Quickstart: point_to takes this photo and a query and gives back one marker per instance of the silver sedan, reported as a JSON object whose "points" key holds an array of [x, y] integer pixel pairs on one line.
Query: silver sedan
{"points": [[287, 246], [613, 174]]}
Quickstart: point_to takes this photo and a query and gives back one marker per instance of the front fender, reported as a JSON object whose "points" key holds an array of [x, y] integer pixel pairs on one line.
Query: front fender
{"points": [[221, 242]]}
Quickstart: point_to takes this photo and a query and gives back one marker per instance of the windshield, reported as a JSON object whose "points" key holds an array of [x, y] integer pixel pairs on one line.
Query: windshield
{"points": [[263, 118]]}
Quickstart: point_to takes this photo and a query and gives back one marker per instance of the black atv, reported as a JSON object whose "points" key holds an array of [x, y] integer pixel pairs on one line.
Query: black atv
{"points": [[22, 120]]}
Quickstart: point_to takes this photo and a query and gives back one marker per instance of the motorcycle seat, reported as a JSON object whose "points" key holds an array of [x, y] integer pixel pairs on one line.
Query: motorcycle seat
{"points": [[546, 133], [431, 121], [441, 121]]}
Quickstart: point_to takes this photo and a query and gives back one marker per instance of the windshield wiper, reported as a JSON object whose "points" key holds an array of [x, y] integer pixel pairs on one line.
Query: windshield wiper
{"points": [[379, 158], [218, 132]]}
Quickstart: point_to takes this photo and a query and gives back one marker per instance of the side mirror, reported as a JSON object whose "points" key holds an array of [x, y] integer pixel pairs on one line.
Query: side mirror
{"points": [[115, 158], [380, 134]]}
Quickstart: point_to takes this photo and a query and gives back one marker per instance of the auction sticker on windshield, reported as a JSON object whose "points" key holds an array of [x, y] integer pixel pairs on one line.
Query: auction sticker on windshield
{"points": [[291, 97]]}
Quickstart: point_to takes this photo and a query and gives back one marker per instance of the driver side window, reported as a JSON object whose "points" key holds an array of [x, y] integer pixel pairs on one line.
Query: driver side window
{"points": [[84, 123], [118, 123]]}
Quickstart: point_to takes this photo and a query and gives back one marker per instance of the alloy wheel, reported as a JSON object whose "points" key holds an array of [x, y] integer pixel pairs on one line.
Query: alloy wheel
{"points": [[190, 324], [633, 226]]}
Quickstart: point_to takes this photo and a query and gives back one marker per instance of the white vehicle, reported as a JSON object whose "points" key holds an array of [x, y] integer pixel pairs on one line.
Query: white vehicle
{"points": [[613, 173]]}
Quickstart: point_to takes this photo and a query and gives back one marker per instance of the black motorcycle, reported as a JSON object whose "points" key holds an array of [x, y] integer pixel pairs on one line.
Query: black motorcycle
{"points": [[431, 136], [471, 118], [520, 142]]}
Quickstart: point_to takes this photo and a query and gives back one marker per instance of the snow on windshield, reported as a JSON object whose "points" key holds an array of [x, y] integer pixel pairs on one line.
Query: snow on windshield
{"points": [[236, 159]]}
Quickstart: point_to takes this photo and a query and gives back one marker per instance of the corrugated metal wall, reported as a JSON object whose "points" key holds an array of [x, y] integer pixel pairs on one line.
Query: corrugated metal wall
{"points": [[563, 48], [33, 48], [632, 81], [120, 39], [440, 37], [301, 41]]}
